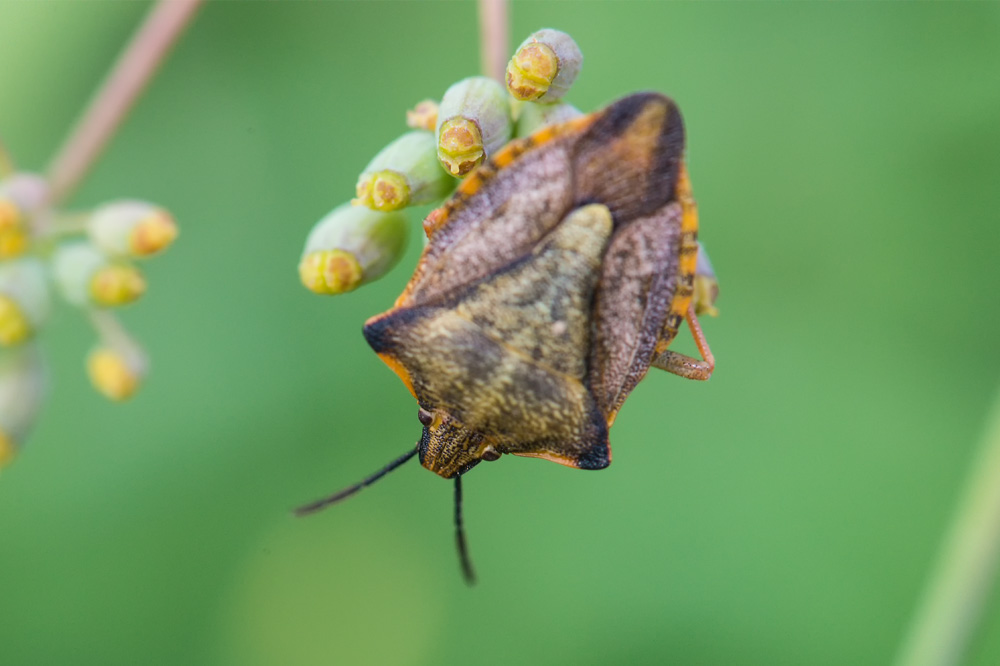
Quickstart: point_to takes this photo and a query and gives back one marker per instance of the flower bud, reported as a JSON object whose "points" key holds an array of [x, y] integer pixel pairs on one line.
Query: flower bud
{"points": [[544, 66], [13, 234], [706, 286], [533, 117], [117, 284], [352, 245], [423, 116], [404, 173], [22, 391], [87, 277], [21, 196], [27, 191], [24, 300], [13, 242], [117, 372], [131, 229], [473, 123]]}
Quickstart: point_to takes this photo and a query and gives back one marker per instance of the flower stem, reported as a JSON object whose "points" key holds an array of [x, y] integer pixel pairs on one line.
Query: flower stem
{"points": [[493, 38], [109, 329], [954, 599], [134, 69]]}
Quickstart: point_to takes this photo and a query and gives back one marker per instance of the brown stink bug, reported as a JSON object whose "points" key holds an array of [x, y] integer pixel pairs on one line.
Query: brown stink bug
{"points": [[555, 276]]}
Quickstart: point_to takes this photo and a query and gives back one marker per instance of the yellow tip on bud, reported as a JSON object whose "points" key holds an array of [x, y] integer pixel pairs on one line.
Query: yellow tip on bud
{"points": [[531, 71], [7, 450], [330, 271], [13, 237], [350, 246], [473, 123], [152, 234], [10, 215], [13, 243], [117, 284], [363, 191], [383, 190], [390, 191], [14, 325], [423, 116], [460, 146], [112, 375]]}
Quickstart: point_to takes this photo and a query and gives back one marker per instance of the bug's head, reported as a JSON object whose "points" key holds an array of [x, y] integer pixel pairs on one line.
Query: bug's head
{"points": [[448, 448]]}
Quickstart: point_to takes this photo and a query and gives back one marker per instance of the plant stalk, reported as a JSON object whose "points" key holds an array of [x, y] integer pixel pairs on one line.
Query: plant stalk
{"points": [[493, 38], [954, 600], [134, 69]]}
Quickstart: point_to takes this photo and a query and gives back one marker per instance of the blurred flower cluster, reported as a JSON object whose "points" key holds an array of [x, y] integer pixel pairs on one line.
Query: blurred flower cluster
{"points": [[361, 240], [89, 259]]}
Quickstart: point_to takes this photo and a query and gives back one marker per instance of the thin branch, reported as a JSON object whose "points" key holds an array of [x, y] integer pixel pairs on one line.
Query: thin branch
{"points": [[134, 69], [954, 600], [494, 42]]}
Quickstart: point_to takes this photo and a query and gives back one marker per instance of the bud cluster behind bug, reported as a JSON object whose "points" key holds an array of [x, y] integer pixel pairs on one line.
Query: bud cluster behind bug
{"points": [[90, 259]]}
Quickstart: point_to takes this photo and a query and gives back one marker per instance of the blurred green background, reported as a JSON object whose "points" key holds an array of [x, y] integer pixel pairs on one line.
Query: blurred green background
{"points": [[846, 160]]}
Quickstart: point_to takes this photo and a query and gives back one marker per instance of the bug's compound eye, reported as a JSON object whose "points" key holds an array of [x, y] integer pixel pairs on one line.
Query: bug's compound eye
{"points": [[425, 417], [490, 454]]}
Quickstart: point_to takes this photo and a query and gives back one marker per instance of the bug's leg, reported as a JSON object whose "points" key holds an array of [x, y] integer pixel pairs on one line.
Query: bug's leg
{"points": [[683, 365]]}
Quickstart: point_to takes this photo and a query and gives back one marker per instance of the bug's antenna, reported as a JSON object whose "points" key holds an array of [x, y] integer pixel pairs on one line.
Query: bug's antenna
{"points": [[463, 550], [350, 490]]}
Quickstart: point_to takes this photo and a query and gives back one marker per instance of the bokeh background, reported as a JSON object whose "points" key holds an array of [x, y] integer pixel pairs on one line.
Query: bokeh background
{"points": [[845, 160]]}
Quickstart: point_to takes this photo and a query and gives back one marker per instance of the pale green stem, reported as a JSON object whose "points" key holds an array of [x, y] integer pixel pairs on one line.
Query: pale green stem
{"points": [[953, 602], [68, 224], [109, 329], [493, 38], [135, 67]]}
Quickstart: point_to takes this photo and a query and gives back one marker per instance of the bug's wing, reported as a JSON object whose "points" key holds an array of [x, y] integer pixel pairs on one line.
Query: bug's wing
{"points": [[629, 158], [625, 156], [638, 281], [498, 215], [507, 356]]}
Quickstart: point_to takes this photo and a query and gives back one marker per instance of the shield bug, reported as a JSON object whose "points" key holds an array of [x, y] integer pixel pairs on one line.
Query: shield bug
{"points": [[557, 274]]}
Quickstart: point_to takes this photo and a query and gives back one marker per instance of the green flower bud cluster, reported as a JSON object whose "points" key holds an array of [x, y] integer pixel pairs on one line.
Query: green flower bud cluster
{"points": [[89, 259], [475, 118]]}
